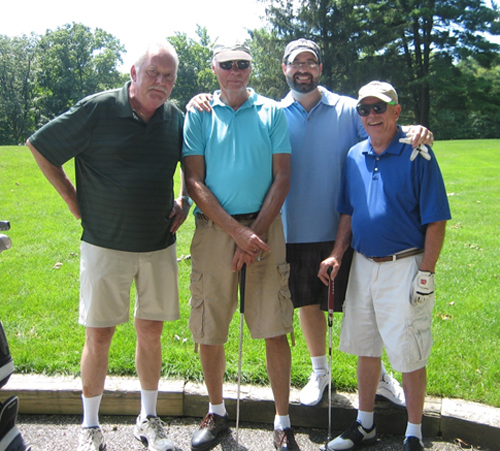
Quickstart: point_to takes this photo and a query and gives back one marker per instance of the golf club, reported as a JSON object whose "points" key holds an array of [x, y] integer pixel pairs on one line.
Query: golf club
{"points": [[331, 304], [242, 315]]}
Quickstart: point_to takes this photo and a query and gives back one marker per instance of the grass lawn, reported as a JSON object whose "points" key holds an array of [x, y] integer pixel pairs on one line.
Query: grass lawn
{"points": [[39, 286]]}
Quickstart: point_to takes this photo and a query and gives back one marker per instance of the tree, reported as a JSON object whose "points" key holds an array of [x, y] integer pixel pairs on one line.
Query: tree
{"points": [[76, 62], [267, 53], [194, 74], [18, 106], [403, 40]]}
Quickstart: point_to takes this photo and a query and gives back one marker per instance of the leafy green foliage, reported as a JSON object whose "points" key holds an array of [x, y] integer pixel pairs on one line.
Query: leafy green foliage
{"points": [[18, 92], [76, 63], [194, 74]]}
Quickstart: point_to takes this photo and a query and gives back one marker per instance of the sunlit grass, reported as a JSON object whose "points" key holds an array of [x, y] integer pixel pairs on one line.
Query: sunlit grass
{"points": [[39, 286]]}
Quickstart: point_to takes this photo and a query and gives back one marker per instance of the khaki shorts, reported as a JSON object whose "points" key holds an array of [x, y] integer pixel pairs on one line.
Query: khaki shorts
{"points": [[106, 276], [214, 286], [378, 313]]}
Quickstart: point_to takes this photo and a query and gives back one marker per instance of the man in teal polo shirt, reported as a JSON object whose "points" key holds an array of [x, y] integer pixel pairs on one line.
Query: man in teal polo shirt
{"points": [[237, 161], [126, 144]]}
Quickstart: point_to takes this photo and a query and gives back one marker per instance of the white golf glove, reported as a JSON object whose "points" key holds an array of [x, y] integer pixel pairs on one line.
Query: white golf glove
{"points": [[422, 287], [420, 149]]}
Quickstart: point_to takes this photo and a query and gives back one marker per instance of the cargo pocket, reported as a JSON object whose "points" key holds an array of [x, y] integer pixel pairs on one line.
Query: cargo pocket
{"points": [[419, 337], [284, 294], [197, 305]]}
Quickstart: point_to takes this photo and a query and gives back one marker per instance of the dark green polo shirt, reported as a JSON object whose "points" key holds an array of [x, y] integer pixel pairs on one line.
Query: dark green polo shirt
{"points": [[124, 168]]}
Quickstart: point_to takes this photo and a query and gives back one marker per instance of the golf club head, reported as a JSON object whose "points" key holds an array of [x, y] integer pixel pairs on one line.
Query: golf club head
{"points": [[5, 243], [4, 225]]}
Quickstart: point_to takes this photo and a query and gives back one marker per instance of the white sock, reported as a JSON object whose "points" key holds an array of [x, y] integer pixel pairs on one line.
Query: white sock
{"points": [[319, 364], [414, 430], [383, 372], [149, 399], [91, 411], [282, 422], [218, 409], [366, 419]]}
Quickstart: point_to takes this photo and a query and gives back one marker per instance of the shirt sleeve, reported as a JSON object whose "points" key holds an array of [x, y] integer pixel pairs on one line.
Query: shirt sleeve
{"points": [[66, 136]]}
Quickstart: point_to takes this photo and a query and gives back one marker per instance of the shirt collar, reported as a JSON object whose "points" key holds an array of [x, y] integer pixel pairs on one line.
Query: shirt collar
{"points": [[327, 98], [125, 109], [253, 99], [394, 148]]}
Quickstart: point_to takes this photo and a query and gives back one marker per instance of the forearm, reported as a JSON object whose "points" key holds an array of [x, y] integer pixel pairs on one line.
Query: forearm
{"points": [[272, 205], [343, 238], [58, 178], [434, 238]]}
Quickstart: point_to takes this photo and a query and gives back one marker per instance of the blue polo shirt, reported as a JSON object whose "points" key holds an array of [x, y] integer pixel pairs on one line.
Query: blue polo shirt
{"points": [[390, 198], [320, 141], [238, 147]]}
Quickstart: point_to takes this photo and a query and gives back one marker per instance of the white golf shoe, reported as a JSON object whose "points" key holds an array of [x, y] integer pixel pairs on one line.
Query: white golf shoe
{"points": [[312, 393], [390, 389]]}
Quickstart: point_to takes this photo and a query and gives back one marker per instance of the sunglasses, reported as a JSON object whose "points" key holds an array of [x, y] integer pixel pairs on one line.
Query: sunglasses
{"points": [[378, 108], [241, 65]]}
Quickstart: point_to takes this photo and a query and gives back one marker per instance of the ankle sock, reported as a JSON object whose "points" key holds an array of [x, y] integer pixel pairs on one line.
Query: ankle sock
{"points": [[218, 409], [282, 422], [319, 365], [91, 411], [149, 399], [414, 430], [366, 419]]}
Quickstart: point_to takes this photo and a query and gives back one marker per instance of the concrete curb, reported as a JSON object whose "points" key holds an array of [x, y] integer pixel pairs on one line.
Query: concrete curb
{"points": [[472, 423]]}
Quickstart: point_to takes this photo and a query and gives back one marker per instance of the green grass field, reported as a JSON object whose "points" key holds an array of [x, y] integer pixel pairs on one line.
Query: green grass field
{"points": [[39, 286]]}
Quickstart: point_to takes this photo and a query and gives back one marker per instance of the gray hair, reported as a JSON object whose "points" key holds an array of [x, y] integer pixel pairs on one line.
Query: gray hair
{"points": [[163, 45]]}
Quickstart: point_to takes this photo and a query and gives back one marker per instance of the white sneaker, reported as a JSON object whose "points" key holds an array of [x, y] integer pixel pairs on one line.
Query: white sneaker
{"points": [[91, 439], [152, 435], [390, 389], [312, 393]]}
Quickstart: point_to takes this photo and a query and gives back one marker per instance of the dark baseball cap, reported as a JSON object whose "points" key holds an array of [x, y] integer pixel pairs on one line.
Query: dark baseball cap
{"points": [[301, 45]]}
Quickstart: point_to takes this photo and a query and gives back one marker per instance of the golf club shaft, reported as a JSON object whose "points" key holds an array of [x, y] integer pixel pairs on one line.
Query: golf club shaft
{"points": [[331, 305], [240, 352]]}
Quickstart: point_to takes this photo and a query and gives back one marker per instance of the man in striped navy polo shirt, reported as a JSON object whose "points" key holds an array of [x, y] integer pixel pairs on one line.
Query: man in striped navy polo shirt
{"points": [[126, 144]]}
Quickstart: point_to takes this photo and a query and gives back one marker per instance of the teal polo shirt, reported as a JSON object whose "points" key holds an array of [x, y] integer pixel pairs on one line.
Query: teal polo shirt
{"points": [[238, 147], [124, 168]]}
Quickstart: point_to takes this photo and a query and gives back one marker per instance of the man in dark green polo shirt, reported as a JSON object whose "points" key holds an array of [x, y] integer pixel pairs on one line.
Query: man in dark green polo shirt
{"points": [[126, 144]]}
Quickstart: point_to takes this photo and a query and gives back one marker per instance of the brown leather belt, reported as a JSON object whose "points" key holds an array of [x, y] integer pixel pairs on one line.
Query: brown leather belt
{"points": [[243, 217], [391, 258]]}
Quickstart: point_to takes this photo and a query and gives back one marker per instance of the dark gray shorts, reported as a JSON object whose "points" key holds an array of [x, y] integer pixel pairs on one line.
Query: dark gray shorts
{"points": [[305, 286]]}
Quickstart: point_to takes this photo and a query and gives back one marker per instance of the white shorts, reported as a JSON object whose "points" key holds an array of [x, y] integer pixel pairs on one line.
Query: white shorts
{"points": [[378, 313], [106, 277]]}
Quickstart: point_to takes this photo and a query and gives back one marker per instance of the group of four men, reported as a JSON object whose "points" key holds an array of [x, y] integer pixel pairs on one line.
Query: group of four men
{"points": [[241, 173]]}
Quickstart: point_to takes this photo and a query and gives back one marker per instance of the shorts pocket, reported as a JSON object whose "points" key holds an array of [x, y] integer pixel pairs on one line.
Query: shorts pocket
{"points": [[197, 305], [285, 297], [419, 337]]}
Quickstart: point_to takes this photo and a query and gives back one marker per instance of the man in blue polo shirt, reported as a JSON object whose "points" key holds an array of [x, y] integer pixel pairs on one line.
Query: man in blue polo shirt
{"points": [[126, 144], [237, 162], [323, 126], [394, 209]]}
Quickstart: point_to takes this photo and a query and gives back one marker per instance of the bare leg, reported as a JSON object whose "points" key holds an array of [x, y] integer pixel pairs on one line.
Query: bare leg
{"points": [[368, 379], [213, 362], [94, 361], [148, 352], [313, 325], [279, 362], [414, 385]]}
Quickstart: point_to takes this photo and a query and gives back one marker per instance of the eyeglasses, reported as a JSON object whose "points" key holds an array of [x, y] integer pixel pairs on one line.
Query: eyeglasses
{"points": [[241, 65], [306, 65], [378, 108]]}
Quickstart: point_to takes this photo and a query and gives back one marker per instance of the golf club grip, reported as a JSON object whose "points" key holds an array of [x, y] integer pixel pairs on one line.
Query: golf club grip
{"points": [[331, 298], [243, 275]]}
